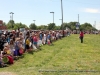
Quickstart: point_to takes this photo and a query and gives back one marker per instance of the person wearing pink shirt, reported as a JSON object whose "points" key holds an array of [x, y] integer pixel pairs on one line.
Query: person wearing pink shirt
{"points": [[81, 36], [35, 39]]}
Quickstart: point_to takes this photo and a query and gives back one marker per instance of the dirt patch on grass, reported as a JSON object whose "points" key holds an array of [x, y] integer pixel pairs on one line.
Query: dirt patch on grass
{"points": [[7, 73]]}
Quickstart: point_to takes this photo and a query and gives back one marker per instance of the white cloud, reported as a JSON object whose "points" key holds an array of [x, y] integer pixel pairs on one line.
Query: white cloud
{"points": [[91, 10]]}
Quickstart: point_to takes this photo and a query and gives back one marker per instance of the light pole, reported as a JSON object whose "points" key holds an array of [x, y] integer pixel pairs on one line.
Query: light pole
{"points": [[78, 18], [53, 16], [11, 18], [77, 25], [61, 20], [62, 13], [34, 21]]}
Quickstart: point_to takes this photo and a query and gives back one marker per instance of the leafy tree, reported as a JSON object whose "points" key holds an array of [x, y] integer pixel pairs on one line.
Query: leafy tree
{"points": [[10, 24], [15, 25], [72, 25], [4, 23], [42, 27], [63, 26], [86, 26], [32, 26], [94, 29], [57, 27], [19, 25], [51, 26]]}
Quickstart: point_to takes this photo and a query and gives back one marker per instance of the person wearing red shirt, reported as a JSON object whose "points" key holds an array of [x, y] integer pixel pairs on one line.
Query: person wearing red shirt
{"points": [[81, 36]]}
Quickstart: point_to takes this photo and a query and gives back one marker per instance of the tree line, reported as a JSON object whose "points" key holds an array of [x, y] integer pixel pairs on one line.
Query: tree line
{"points": [[51, 26]]}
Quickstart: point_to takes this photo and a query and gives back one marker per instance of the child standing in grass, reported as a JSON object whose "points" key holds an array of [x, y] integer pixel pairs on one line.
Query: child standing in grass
{"points": [[48, 39], [17, 44], [27, 44], [11, 44], [21, 38], [35, 40], [44, 38]]}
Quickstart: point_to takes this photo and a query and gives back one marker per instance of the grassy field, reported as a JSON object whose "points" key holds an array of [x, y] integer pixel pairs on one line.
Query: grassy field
{"points": [[66, 57]]}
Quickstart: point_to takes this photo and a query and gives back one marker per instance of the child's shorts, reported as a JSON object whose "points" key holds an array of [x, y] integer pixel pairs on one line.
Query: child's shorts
{"points": [[27, 47], [35, 43]]}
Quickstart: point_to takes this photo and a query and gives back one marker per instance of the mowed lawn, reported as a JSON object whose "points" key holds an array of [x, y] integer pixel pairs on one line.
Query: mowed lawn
{"points": [[66, 57]]}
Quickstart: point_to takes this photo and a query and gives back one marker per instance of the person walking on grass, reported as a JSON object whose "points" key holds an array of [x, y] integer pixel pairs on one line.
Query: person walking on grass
{"points": [[81, 36]]}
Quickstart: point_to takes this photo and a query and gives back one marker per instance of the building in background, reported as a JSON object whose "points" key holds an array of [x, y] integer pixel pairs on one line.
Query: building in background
{"points": [[2, 26]]}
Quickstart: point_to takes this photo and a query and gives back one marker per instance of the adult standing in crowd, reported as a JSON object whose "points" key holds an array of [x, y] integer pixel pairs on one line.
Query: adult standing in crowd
{"points": [[2, 42]]}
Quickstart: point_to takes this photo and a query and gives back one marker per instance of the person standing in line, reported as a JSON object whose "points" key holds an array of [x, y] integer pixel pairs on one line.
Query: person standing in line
{"points": [[81, 36]]}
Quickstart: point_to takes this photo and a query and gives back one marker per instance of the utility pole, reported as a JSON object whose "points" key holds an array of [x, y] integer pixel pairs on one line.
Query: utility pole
{"points": [[61, 20], [11, 18], [77, 25], [78, 18], [95, 24], [62, 13], [53, 16], [34, 21]]}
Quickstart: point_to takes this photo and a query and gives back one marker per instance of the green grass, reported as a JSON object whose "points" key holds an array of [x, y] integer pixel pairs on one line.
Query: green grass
{"points": [[67, 57]]}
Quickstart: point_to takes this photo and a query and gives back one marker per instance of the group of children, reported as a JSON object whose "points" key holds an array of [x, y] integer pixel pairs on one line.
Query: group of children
{"points": [[17, 43], [11, 50]]}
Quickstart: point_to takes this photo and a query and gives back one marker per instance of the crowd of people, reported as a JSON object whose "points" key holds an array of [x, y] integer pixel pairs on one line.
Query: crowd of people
{"points": [[15, 43]]}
